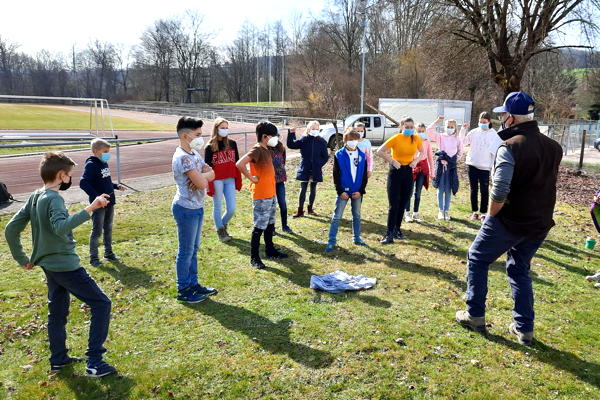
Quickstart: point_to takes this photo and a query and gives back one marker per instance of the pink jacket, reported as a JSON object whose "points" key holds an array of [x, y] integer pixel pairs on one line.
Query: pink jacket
{"points": [[452, 145], [428, 155]]}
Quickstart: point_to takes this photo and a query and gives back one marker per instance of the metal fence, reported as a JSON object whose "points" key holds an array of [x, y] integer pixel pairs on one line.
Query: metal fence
{"points": [[570, 136]]}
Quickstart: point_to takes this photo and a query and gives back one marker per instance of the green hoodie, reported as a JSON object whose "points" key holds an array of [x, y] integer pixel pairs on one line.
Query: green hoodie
{"points": [[51, 228]]}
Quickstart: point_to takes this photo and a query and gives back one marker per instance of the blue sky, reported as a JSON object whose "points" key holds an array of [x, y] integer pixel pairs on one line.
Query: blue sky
{"points": [[58, 24]]}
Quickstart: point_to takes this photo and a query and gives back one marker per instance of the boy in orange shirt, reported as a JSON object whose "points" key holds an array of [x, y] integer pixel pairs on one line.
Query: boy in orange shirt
{"points": [[262, 187]]}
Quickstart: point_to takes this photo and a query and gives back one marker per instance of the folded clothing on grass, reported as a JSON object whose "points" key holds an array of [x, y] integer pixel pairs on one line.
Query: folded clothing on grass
{"points": [[339, 281]]}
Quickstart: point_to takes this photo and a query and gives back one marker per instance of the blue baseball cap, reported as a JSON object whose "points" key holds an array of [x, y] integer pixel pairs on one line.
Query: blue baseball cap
{"points": [[517, 103]]}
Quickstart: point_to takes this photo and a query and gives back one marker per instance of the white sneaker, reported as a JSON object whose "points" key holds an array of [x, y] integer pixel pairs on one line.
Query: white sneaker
{"points": [[416, 217], [593, 278], [408, 217], [441, 215], [597, 285], [447, 215]]}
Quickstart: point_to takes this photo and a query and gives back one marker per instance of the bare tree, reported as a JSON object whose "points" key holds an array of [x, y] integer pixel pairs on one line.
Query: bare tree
{"points": [[513, 32], [157, 52], [8, 52], [342, 26]]}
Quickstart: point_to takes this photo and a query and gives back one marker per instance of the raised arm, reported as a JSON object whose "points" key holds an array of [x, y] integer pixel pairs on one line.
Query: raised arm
{"points": [[292, 143], [431, 132]]}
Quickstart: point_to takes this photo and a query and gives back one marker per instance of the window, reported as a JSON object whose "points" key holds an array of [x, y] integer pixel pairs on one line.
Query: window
{"points": [[376, 122], [366, 121]]}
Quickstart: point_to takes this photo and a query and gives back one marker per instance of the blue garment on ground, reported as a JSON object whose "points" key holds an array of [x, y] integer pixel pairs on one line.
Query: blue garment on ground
{"points": [[443, 177], [339, 281]]}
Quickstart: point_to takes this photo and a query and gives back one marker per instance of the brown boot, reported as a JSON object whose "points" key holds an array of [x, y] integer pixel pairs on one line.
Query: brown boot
{"points": [[311, 211], [300, 213]]}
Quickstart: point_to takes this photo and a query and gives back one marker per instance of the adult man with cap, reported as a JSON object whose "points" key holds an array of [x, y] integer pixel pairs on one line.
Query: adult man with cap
{"points": [[522, 203]]}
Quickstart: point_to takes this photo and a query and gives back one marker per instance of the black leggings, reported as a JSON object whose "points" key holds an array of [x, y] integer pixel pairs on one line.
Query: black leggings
{"points": [[313, 193], [481, 178], [399, 190]]}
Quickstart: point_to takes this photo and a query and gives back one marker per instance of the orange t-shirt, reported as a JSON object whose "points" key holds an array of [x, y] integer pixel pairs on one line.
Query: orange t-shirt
{"points": [[403, 147], [265, 188]]}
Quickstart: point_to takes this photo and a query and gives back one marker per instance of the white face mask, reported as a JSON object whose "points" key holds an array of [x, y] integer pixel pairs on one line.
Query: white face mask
{"points": [[450, 131], [314, 132], [197, 144], [352, 144], [223, 132], [273, 141]]}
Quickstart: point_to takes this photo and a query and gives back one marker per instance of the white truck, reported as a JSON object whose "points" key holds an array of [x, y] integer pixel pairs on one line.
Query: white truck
{"points": [[384, 124]]}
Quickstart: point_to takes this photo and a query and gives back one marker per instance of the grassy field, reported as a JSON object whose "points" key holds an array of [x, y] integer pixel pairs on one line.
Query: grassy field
{"points": [[27, 116], [266, 335]]}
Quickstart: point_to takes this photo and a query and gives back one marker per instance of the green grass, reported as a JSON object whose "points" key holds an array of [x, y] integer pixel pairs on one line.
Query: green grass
{"points": [[27, 116], [590, 168], [266, 335]]}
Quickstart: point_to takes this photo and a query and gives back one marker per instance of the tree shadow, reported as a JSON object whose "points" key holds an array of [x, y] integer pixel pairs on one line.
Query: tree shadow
{"points": [[273, 337], [571, 268], [129, 276], [113, 386], [499, 266], [568, 362], [568, 251]]}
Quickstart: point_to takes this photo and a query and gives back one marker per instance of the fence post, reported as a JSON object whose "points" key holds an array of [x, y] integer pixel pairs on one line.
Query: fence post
{"points": [[582, 150], [245, 142]]}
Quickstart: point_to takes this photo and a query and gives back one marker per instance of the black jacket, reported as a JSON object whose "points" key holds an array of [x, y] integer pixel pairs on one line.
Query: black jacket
{"points": [[96, 179], [529, 206]]}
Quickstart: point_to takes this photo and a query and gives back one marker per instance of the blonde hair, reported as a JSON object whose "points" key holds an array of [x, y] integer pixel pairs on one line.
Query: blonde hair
{"points": [[358, 124], [311, 123], [98, 144], [452, 121], [214, 139]]}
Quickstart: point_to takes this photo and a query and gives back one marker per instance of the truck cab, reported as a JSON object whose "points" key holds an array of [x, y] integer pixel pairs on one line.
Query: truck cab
{"points": [[377, 129]]}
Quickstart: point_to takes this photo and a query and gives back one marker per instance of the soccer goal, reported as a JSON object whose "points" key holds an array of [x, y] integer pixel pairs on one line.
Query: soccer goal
{"points": [[25, 117]]}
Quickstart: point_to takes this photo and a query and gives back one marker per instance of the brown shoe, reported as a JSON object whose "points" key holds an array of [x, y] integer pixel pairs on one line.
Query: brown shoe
{"points": [[300, 213], [311, 211], [223, 236], [476, 324]]}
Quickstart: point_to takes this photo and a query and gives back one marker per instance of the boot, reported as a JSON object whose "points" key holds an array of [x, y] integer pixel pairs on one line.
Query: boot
{"points": [[311, 211], [300, 213], [255, 260], [476, 324], [223, 236], [270, 250]]}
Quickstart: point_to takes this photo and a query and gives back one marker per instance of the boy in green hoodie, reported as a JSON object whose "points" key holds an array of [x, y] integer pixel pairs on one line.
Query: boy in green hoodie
{"points": [[54, 251]]}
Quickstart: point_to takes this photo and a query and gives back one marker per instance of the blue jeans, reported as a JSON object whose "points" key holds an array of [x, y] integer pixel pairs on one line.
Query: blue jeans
{"points": [[340, 205], [224, 188], [81, 285], [102, 223], [280, 192], [491, 242], [189, 229], [419, 182]]}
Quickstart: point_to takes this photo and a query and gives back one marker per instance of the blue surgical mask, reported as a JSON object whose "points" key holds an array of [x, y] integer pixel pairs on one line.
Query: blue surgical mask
{"points": [[105, 157], [484, 126], [423, 135], [408, 132]]}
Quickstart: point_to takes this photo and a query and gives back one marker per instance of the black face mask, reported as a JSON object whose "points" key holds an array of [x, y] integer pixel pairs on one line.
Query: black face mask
{"points": [[65, 186], [503, 124]]}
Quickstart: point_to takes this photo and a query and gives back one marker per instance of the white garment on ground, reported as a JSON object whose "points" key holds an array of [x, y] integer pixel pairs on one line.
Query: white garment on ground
{"points": [[339, 281], [484, 145]]}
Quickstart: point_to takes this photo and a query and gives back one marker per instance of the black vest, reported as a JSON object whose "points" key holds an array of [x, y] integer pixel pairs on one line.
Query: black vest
{"points": [[529, 207]]}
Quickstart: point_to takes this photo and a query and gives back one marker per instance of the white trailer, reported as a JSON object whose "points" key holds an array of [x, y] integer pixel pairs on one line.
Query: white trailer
{"points": [[427, 110]]}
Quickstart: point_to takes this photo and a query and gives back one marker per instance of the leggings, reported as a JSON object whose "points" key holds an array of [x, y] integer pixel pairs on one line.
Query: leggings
{"points": [[313, 193]]}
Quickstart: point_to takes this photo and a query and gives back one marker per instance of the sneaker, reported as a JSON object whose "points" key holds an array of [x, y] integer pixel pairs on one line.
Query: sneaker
{"points": [[441, 215], [111, 257], [525, 338], [476, 324], [447, 215], [275, 254], [257, 263], [399, 235], [360, 242], [99, 370], [54, 368], [189, 296], [408, 217], [223, 236], [387, 239], [329, 248], [417, 217], [287, 229], [593, 278], [95, 263], [207, 291], [474, 216], [482, 218], [597, 285]]}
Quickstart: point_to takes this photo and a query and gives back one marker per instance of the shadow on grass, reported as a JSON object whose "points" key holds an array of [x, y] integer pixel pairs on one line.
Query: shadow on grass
{"points": [[109, 387], [321, 297], [499, 266], [273, 337], [563, 360], [129, 276]]}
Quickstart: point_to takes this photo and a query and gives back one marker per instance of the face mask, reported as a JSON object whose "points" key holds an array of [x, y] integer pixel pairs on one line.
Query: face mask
{"points": [[223, 132], [423, 135], [105, 157], [65, 186], [352, 143], [504, 126], [484, 126], [272, 142], [408, 132], [450, 131], [197, 144], [314, 132]]}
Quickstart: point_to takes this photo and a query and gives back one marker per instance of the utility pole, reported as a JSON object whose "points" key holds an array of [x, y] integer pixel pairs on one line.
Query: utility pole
{"points": [[362, 9], [270, 59], [282, 77]]}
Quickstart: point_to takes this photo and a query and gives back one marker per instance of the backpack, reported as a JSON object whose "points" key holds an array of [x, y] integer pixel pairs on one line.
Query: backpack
{"points": [[5, 196]]}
